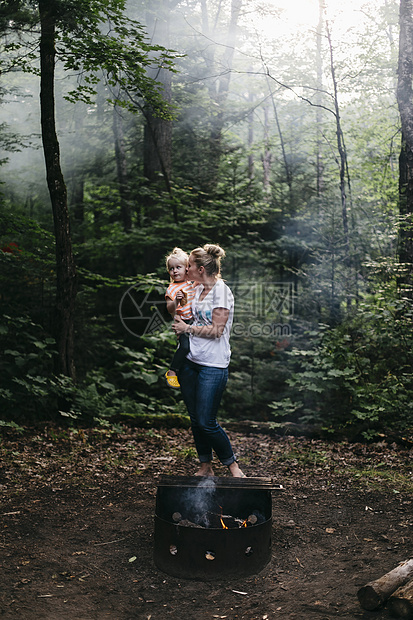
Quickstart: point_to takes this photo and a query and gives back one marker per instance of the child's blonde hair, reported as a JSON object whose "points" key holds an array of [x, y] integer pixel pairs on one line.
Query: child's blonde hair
{"points": [[178, 255]]}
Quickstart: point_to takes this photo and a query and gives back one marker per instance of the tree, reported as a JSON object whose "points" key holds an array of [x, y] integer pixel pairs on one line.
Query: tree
{"points": [[319, 64], [65, 264], [219, 88], [158, 131], [120, 155], [343, 167], [72, 30], [405, 103]]}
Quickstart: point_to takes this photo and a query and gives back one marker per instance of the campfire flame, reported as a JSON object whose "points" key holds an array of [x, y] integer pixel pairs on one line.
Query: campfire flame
{"points": [[224, 527], [223, 524]]}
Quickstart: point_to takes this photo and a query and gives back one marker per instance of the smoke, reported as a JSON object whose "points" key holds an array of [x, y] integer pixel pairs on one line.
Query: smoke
{"points": [[205, 505], [200, 502]]}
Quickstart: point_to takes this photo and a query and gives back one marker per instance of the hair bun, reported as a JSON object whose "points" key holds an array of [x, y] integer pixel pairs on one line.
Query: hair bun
{"points": [[214, 250]]}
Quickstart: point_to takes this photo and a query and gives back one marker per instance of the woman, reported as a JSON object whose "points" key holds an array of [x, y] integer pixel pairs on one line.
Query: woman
{"points": [[204, 374]]}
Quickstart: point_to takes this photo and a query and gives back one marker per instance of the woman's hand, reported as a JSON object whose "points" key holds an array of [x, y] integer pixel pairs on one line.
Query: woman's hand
{"points": [[215, 330], [179, 326]]}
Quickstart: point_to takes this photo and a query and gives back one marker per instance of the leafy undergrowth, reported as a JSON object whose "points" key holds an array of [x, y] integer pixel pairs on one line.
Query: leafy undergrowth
{"points": [[77, 526]]}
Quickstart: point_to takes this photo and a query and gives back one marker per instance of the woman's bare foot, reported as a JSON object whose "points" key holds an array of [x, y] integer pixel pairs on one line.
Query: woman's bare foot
{"points": [[205, 470], [236, 471]]}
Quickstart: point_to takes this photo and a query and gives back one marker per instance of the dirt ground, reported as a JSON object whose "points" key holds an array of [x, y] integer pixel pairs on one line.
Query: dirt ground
{"points": [[77, 515]]}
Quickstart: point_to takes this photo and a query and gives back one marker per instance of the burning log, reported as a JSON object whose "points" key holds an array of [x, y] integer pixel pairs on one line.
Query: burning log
{"points": [[375, 593], [214, 519], [179, 520], [400, 604]]}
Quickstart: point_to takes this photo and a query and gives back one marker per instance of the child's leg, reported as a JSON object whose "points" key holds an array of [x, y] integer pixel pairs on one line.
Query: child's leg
{"points": [[177, 360], [181, 353]]}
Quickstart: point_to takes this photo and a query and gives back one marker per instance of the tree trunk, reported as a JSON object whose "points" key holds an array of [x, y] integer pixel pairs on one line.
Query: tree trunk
{"points": [[218, 90], [405, 103], [400, 604], [78, 197], [344, 175], [157, 153], [319, 114], [158, 146], [342, 154], [266, 157], [375, 593], [65, 266], [120, 156], [251, 169], [287, 167], [76, 183]]}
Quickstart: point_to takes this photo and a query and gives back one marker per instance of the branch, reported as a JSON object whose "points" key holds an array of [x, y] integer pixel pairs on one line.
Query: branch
{"points": [[291, 88]]}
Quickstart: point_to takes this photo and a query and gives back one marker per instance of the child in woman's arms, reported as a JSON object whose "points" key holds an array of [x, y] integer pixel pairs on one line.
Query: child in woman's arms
{"points": [[179, 295]]}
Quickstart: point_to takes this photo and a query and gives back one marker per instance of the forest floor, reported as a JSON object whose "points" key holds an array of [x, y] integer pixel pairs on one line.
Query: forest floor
{"points": [[77, 518]]}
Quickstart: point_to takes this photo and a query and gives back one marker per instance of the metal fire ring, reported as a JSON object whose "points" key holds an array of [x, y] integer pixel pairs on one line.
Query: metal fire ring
{"points": [[188, 550]]}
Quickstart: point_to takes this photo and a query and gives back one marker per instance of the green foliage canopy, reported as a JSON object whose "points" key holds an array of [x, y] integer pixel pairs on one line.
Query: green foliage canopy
{"points": [[94, 38]]}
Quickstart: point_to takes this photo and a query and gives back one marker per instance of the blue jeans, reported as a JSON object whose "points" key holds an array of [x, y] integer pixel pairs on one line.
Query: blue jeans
{"points": [[202, 388]]}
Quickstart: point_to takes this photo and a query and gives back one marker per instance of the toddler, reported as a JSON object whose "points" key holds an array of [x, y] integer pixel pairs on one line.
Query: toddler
{"points": [[179, 295]]}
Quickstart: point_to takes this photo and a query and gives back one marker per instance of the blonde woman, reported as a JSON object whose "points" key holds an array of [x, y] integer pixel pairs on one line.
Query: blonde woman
{"points": [[204, 374]]}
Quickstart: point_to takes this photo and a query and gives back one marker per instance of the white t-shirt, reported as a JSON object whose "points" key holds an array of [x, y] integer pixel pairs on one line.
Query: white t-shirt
{"points": [[211, 351]]}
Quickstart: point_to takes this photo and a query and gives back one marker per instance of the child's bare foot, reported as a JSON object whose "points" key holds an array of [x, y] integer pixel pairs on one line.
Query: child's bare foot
{"points": [[236, 471], [205, 470]]}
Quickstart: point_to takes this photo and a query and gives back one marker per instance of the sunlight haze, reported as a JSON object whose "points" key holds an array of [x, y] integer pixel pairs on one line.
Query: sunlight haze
{"points": [[304, 13]]}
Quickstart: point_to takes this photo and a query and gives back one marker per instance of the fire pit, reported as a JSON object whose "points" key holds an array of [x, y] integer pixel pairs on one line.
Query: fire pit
{"points": [[207, 528]]}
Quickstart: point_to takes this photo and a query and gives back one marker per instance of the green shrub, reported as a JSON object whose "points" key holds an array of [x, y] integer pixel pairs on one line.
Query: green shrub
{"points": [[358, 376]]}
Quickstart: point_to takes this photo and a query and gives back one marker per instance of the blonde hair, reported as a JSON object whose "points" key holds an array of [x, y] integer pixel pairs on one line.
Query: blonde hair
{"points": [[179, 255], [209, 257]]}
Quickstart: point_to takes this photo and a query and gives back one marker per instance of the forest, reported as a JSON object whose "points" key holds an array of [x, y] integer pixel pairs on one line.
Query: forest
{"points": [[281, 130], [285, 135]]}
